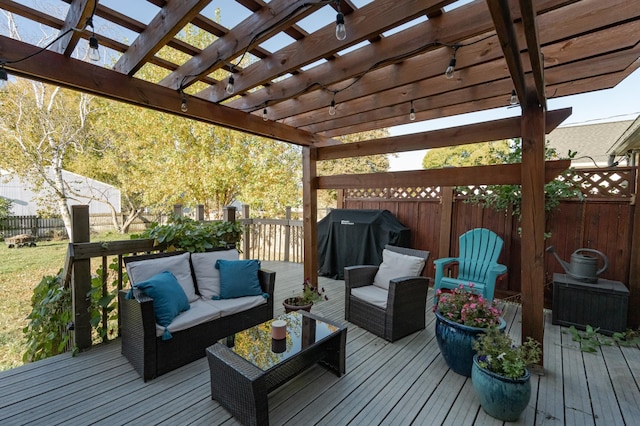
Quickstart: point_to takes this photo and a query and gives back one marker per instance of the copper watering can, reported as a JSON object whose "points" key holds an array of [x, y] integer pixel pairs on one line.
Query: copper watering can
{"points": [[582, 267]]}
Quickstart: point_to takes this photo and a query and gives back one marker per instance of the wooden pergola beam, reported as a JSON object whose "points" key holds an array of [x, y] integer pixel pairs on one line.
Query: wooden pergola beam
{"points": [[473, 133], [502, 174], [533, 46], [76, 17]]}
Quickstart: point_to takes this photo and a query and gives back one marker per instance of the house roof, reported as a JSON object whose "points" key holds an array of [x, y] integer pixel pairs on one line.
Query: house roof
{"points": [[394, 56], [591, 141], [628, 141]]}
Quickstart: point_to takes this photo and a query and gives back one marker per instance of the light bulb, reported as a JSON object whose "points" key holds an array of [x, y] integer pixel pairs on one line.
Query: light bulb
{"points": [[341, 29], [4, 78], [332, 107], [94, 53], [412, 114], [450, 69], [264, 115], [513, 100], [183, 106], [230, 89]]}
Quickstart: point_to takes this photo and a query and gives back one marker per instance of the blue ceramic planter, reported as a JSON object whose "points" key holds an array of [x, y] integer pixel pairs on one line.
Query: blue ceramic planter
{"points": [[501, 397], [455, 342]]}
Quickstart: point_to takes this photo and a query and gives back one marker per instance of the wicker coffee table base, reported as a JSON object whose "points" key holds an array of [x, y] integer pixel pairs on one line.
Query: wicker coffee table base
{"points": [[242, 388]]}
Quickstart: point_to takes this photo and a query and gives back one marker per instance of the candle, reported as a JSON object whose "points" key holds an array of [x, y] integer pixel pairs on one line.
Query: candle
{"points": [[279, 329]]}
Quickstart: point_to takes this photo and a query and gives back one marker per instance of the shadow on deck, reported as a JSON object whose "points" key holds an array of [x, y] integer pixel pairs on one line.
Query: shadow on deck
{"points": [[403, 383]]}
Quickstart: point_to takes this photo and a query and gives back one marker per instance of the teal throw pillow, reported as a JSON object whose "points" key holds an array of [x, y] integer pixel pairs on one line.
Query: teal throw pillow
{"points": [[168, 297], [239, 278]]}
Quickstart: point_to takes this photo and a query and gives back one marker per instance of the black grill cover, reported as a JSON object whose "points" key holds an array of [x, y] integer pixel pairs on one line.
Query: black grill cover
{"points": [[356, 237]]}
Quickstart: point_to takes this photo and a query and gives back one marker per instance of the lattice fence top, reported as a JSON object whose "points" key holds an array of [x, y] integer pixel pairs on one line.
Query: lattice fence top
{"points": [[594, 183]]}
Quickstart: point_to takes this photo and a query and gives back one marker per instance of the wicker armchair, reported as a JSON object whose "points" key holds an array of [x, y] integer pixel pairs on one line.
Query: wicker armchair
{"points": [[405, 307]]}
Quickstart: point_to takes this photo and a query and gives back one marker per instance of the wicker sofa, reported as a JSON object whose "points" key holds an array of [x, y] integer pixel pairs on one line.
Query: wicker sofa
{"points": [[152, 351]]}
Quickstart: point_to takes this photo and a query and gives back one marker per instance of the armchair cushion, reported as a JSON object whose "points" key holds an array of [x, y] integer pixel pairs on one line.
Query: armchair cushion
{"points": [[205, 271], [396, 265], [372, 294]]}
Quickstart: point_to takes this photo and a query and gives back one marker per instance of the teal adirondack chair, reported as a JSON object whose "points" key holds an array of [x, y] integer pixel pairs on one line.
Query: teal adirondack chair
{"points": [[477, 263]]}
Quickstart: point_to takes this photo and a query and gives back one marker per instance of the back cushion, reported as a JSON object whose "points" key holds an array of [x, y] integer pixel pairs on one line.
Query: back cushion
{"points": [[178, 265], [396, 265], [207, 276]]}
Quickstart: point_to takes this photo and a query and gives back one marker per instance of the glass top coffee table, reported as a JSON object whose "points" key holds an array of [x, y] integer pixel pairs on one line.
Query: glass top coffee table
{"points": [[242, 375]]}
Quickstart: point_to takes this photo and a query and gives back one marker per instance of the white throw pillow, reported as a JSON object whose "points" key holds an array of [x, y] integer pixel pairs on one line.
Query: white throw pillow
{"points": [[204, 268], [396, 265], [178, 265]]}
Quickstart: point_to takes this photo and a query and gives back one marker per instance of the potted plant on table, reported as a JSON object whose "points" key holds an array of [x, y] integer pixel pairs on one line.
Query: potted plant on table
{"points": [[462, 315], [304, 301], [500, 376]]}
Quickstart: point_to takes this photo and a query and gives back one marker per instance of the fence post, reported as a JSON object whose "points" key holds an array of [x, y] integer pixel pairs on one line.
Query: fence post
{"points": [[177, 210], [81, 279], [287, 233], [200, 212], [246, 235], [446, 203]]}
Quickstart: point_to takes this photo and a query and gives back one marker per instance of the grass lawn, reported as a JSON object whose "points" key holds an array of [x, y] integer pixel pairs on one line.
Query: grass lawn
{"points": [[20, 271]]}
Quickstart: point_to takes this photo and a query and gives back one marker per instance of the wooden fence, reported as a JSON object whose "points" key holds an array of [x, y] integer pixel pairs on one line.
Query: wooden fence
{"points": [[437, 216]]}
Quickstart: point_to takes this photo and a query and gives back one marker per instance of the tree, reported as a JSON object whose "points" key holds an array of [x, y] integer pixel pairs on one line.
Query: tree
{"points": [[5, 207], [367, 164], [466, 155]]}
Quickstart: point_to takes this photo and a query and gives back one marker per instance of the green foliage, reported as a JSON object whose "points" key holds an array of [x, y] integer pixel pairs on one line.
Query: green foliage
{"points": [[591, 339], [105, 303], [466, 155], [187, 234], [497, 353], [46, 332], [503, 197], [5, 207]]}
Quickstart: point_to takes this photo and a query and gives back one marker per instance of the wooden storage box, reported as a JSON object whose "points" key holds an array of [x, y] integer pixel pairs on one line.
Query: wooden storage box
{"points": [[603, 304]]}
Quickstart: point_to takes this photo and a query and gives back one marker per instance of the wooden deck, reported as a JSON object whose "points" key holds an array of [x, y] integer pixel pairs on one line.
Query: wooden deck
{"points": [[403, 383]]}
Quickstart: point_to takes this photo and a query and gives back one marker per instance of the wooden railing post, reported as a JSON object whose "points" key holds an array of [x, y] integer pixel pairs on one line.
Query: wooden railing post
{"points": [[177, 210], [246, 234], [287, 233], [81, 279], [200, 212], [229, 214]]}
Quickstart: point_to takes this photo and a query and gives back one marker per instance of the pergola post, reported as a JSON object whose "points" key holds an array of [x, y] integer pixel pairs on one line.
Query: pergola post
{"points": [[533, 215], [310, 213]]}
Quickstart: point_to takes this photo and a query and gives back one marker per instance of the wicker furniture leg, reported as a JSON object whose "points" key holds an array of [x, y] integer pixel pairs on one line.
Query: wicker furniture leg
{"points": [[238, 386]]}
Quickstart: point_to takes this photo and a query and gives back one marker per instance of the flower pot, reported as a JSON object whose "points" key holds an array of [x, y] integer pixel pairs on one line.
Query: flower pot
{"points": [[455, 341], [501, 397], [296, 304]]}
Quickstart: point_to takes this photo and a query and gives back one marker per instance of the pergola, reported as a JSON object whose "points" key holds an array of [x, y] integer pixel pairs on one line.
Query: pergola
{"points": [[392, 62]]}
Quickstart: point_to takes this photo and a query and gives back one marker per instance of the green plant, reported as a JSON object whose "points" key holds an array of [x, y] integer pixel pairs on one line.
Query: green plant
{"points": [[310, 294], [498, 354], [47, 333], [591, 338], [504, 197], [104, 304], [465, 307], [193, 236]]}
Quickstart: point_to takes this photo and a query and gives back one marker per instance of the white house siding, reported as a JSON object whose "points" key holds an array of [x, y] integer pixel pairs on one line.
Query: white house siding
{"points": [[24, 199]]}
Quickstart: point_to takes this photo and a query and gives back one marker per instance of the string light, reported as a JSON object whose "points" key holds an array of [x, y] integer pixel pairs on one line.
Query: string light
{"points": [[183, 105], [230, 88], [332, 106], [341, 28], [412, 114], [452, 63], [513, 99], [265, 117], [94, 52]]}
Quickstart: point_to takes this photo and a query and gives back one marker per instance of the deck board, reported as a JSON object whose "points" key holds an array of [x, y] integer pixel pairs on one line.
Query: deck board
{"points": [[401, 383]]}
